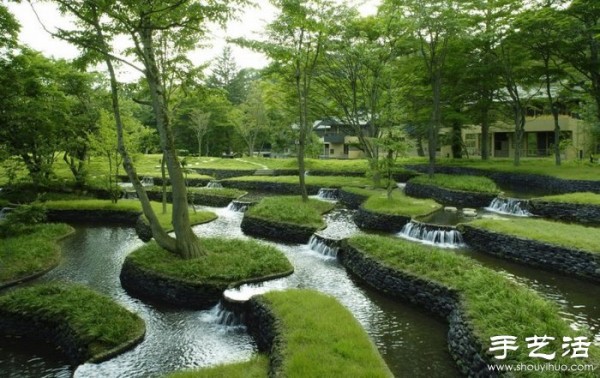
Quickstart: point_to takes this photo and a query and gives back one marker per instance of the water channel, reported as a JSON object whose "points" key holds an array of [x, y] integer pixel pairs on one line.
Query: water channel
{"points": [[412, 342]]}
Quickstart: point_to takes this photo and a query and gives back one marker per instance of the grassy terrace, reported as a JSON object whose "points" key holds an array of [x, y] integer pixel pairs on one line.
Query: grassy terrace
{"points": [[128, 205], [456, 182], [291, 209], [494, 304], [322, 181], [320, 338], [583, 198], [400, 204], [99, 324], [34, 251], [258, 367], [562, 234], [226, 261]]}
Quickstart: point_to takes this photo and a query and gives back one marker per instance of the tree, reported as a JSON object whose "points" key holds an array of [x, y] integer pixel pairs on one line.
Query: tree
{"points": [[99, 23], [253, 120], [9, 28], [199, 122]]}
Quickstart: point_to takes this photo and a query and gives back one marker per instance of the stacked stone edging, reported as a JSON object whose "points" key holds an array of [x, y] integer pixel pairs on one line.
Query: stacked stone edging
{"points": [[120, 217], [369, 220], [569, 212], [448, 196], [285, 232], [158, 180], [264, 327], [272, 187], [532, 252], [521, 181], [60, 334], [351, 200], [195, 198], [223, 173], [463, 344]]}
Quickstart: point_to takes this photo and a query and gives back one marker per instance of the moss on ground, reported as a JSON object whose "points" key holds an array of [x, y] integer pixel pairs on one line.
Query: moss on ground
{"points": [[495, 304]]}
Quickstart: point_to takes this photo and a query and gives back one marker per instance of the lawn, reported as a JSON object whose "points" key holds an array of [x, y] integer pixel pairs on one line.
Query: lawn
{"points": [[459, 182], [399, 204], [292, 210], [582, 198]]}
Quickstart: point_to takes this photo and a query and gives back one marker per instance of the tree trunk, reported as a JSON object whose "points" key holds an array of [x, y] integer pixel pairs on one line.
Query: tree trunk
{"points": [[485, 135], [436, 84], [519, 119], [556, 137], [163, 176], [420, 149], [457, 144]]}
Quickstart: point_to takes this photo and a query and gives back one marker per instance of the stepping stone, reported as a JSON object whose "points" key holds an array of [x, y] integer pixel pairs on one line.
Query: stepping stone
{"points": [[451, 209], [264, 172], [468, 212]]}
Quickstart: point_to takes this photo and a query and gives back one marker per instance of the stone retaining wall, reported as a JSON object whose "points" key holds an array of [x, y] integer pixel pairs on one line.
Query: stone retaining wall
{"points": [[351, 200], [272, 187], [449, 197], [158, 180], [263, 327], [567, 212], [464, 346], [220, 174], [547, 256], [369, 220], [520, 181], [127, 218], [196, 198], [288, 233]]}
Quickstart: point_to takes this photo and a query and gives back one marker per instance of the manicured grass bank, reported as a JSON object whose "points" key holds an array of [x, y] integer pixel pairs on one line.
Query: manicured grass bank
{"points": [[458, 182], [561, 234], [33, 252], [581, 198], [399, 204], [491, 303], [313, 335], [258, 367], [86, 325], [291, 210], [320, 181]]}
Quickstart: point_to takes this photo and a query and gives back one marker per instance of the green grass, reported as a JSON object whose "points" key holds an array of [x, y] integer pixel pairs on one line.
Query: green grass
{"points": [[495, 304], [98, 323], [226, 261], [291, 209], [562, 234], [321, 338], [400, 204], [33, 252], [583, 198], [458, 182], [197, 217], [322, 181], [220, 192], [257, 367]]}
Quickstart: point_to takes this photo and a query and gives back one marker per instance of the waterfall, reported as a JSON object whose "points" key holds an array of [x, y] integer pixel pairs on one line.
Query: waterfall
{"points": [[127, 194], [401, 185], [222, 316], [509, 206], [328, 194], [238, 206], [4, 211], [444, 237], [147, 181], [214, 185], [319, 244]]}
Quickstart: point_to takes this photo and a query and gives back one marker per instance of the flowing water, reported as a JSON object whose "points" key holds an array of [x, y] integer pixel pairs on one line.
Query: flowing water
{"points": [[443, 237], [510, 206]]}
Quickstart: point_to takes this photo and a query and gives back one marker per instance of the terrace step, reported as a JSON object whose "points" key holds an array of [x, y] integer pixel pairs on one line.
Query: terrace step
{"points": [[264, 172]]}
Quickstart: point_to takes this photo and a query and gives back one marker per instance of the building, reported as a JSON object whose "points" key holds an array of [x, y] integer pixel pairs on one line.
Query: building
{"points": [[338, 139]]}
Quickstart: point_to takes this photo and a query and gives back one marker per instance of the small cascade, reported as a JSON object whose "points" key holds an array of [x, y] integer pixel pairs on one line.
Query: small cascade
{"points": [[4, 211], [306, 173], [320, 244], [222, 316], [510, 206], [127, 194], [147, 181], [439, 236], [401, 185], [239, 206], [214, 185], [328, 194]]}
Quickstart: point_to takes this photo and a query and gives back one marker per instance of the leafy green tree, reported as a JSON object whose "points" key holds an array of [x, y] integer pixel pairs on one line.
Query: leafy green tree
{"points": [[9, 28]]}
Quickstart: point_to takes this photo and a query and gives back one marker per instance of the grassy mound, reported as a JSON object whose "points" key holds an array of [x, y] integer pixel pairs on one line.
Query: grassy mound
{"points": [[494, 304], [562, 234], [321, 181], [220, 192], [32, 252], [457, 182], [399, 204], [582, 198], [258, 367], [291, 209], [98, 324], [226, 261], [318, 337]]}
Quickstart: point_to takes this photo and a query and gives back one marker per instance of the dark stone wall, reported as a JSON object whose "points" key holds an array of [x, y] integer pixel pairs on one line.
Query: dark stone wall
{"points": [[196, 198], [447, 196], [127, 218], [149, 285], [158, 180], [267, 229], [521, 181], [223, 173], [567, 212], [547, 256], [466, 349], [351, 200], [143, 230], [369, 220], [272, 187], [264, 328]]}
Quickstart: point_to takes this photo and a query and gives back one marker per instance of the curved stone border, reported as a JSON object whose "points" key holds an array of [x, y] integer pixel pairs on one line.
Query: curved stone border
{"points": [[520, 181], [158, 180], [105, 216], [463, 344], [223, 173], [196, 198], [351, 200], [262, 326], [285, 232], [272, 187], [531, 252], [448, 196], [369, 220], [147, 284], [569, 212]]}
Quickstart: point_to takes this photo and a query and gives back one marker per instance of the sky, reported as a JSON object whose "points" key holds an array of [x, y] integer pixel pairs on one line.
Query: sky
{"points": [[249, 25]]}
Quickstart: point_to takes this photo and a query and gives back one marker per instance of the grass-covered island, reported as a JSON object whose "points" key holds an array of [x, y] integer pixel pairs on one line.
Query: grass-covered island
{"points": [[285, 218], [456, 190], [399, 204], [87, 326], [478, 184], [257, 367], [581, 198], [492, 304], [154, 273], [29, 252]]}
